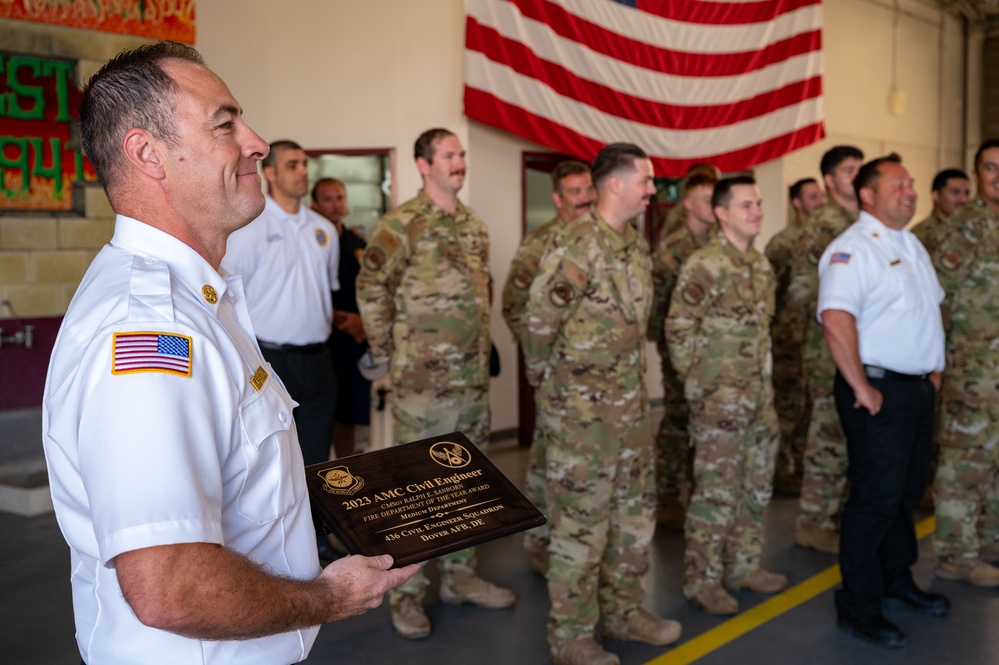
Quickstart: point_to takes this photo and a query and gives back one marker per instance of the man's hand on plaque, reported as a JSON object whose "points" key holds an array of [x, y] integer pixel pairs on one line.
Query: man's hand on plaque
{"points": [[359, 582]]}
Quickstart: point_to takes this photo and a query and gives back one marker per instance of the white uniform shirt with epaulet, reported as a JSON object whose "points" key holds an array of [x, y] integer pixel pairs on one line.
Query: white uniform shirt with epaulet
{"points": [[885, 279], [289, 265], [163, 424]]}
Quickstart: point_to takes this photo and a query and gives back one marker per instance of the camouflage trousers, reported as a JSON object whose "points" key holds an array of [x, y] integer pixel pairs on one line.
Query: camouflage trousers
{"points": [[790, 388], [419, 416], [735, 449], [823, 485], [966, 487], [674, 459], [535, 485], [601, 506]]}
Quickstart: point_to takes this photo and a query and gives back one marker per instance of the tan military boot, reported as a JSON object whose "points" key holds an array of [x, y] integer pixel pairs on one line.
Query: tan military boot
{"points": [[817, 538], [583, 651], [640, 625], [408, 617], [989, 553], [973, 571], [761, 581], [458, 588], [715, 600]]}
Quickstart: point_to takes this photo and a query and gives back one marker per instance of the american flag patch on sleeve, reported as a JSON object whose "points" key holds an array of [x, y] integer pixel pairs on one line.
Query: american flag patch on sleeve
{"points": [[151, 352], [839, 257]]}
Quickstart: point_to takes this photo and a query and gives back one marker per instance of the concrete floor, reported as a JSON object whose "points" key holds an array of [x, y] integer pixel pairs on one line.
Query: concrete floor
{"points": [[36, 623]]}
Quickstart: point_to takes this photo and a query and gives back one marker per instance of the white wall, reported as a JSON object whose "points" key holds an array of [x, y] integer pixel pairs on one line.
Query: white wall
{"points": [[349, 74]]}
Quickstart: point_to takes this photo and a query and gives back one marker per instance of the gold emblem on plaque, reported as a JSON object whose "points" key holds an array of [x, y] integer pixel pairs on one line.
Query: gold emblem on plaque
{"points": [[209, 293], [449, 454], [339, 480], [258, 378]]}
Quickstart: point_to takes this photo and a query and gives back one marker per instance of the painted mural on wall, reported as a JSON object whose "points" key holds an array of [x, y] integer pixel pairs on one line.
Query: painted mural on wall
{"points": [[159, 19], [40, 152]]}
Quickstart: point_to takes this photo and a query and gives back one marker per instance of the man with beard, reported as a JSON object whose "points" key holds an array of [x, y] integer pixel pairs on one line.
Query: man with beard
{"points": [[584, 347]]}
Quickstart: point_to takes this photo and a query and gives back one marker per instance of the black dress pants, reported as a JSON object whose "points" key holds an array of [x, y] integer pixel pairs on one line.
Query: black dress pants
{"points": [[311, 381], [889, 458]]}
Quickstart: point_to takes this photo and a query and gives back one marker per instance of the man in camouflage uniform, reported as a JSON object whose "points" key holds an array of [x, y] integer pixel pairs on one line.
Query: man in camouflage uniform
{"points": [[718, 332], [951, 191], [677, 215], [585, 347], [966, 256], [423, 293], [792, 410], [674, 463], [573, 196], [823, 483]]}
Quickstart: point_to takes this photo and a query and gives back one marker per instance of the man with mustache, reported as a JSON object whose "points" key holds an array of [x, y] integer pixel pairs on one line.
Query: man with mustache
{"points": [[879, 303], [584, 346], [573, 196], [424, 294]]}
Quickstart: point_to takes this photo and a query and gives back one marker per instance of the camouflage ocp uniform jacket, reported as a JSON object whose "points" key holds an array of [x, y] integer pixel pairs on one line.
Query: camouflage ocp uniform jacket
{"points": [[671, 251], [927, 231], [522, 271], [586, 319], [718, 326], [966, 257], [423, 293], [817, 232]]}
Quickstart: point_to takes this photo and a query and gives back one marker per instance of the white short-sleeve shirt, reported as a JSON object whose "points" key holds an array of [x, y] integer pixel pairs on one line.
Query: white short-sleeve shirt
{"points": [[289, 265], [885, 279], [154, 434]]}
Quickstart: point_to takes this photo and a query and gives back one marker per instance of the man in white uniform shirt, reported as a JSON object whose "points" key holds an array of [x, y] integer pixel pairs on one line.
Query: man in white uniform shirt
{"points": [[288, 258], [174, 464], [879, 303]]}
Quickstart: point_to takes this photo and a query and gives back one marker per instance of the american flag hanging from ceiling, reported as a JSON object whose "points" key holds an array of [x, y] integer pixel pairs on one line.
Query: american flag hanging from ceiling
{"points": [[730, 82]]}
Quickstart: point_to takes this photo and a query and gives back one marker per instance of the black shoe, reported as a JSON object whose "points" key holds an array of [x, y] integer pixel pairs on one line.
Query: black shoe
{"points": [[919, 601], [875, 629]]}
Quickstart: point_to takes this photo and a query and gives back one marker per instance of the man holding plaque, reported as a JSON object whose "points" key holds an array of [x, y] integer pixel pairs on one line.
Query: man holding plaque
{"points": [[588, 310], [424, 296], [173, 458]]}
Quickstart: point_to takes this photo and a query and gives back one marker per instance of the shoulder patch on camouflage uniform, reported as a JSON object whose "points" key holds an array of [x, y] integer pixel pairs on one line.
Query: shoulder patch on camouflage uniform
{"points": [[952, 260], [576, 275], [692, 294], [561, 294], [522, 279], [374, 258]]}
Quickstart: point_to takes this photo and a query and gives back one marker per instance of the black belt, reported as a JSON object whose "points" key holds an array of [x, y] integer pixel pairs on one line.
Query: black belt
{"points": [[873, 372], [293, 348]]}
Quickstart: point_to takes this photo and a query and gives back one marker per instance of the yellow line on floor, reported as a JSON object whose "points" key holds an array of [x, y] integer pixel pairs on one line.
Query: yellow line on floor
{"points": [[744, 622]]}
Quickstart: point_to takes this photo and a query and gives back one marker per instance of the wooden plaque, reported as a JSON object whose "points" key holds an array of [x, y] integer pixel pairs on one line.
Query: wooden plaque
{"points": [[419, 500]]}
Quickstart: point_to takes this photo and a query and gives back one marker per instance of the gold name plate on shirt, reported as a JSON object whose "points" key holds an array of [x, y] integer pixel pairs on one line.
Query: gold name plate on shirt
{"points": [[419, 500]]}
